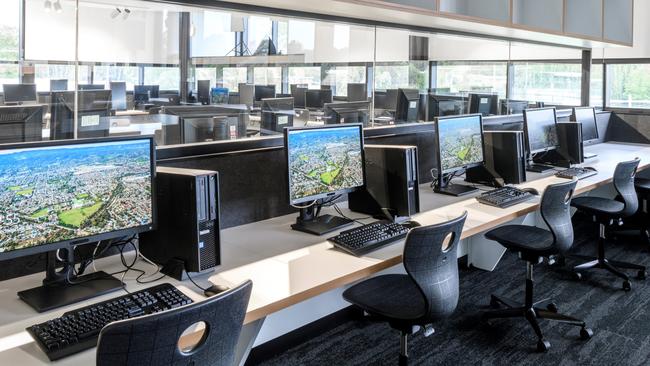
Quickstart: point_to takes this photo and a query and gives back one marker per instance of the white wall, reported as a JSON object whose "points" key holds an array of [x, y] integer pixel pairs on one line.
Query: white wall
{"points": [[146, 36]]}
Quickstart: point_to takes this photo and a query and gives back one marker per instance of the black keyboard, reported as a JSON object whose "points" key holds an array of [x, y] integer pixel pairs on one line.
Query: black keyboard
{"points": [[364, 239], [579, 173], [504, 197], [79, 329]]}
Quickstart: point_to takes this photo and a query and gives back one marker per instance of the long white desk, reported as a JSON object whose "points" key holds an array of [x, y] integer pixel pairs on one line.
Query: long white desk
{"points": [[296, 274]]}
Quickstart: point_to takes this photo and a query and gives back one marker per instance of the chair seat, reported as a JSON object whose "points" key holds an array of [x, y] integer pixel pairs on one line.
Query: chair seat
{"points": [[642, 185], [390, 296], [525, 239], [598, 205]]}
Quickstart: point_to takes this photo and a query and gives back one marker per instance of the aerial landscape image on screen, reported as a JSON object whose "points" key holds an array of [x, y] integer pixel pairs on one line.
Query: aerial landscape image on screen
{"points": [[543, 136], [51, 194], [461, 142], [324, 160]]}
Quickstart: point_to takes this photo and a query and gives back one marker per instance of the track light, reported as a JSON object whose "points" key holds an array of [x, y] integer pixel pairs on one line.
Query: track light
{"points": [[126, 12], [57, 6], [115, 13], [47, 6]]}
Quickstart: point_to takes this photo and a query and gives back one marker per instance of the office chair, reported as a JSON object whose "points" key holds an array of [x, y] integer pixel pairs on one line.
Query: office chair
{"points": [[533, 245], [426, 293], [642, 186], [153, 339], [609, 213]]}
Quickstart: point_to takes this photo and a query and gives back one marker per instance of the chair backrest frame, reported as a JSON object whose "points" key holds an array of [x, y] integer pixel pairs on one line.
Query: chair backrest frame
{"points": [[624, 184], [555, 209]]}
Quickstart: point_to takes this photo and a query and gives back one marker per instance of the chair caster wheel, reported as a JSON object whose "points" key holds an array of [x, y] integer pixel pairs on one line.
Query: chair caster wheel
{"points": [[552, 307], [627, 285], [577, 275], [586, 333], [543, 346], [641, 275]]}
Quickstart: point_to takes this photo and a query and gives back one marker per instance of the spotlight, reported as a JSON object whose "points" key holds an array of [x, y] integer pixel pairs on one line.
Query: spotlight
{"points": [[47, 6], [126, 12], [57, 6], [115, 13]]}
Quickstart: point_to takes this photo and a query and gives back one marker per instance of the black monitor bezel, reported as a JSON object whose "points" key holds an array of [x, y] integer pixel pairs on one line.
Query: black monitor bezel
{"points": [[474, 100], [315, 198], [331, 110], [49, 247], [595, 121], [528, 147], [442, 172], [257, 92], [4, 93]]}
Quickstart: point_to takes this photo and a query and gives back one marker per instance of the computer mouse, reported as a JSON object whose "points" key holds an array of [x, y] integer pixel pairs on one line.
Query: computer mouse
{"points": [[530, 190], [410, 224], [590, 168], [215, 290]]}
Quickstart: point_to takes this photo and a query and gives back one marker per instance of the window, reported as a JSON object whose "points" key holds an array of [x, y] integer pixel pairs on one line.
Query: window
{"points": [[168, 78], [628, 85], [211, 35], [259, 29], [553, 83], [45, 72], [596, 87], [106, 74], [472, 76], [309, 75], [9, 17], [233, 76], [268, 76], [9, 74], [391, 77], [206, 73], [340, 76]]}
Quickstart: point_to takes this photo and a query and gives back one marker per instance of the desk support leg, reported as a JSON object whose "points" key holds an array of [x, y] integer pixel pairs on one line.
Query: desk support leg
{"points": [[246, 340], [485, 254]]}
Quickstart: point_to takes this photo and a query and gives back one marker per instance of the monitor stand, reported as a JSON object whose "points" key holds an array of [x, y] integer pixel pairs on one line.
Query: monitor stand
{"points": [[538, 168], [455, 190], [57, 291], [589, 156], [310, 222]]}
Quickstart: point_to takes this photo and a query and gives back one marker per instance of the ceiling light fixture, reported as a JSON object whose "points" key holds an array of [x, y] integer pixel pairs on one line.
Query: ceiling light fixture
{"points": [[126, 12], [57, 6], [47, 6], [115, 13]]}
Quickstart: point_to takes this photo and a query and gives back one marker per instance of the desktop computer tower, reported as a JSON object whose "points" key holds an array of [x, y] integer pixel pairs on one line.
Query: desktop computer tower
{"points": [[273, 123], [505, 158], [188, 222], [391, 182], [570, 146]]}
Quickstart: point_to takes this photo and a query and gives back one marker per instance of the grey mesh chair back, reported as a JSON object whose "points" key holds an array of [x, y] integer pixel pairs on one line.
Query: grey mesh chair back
{"points": [[555, 209], [153, 339], [430, 259], [624, 183]]}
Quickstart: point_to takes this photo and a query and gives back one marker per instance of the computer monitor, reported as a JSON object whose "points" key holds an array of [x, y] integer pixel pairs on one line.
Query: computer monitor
{"points": [[586, 116], [187, 112], [444, 105], [142, 93], [203, 91], [459, 146], [19, 93], [408, 102], [485, 104], [59, 85], [350, 112], [118, 95], [247, 94], [93, 106], [317, 98], [509, 106], [21, 123], [264, 92], [277, 113], [91, 86], [298, 94], [205, 129], [62, 194], [357, 92], [323, 163], [540, 130], [386, 99]]}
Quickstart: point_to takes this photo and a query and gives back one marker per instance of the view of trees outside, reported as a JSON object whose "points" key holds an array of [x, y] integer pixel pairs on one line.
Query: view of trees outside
{"points": [[167, 78], [628, 85], [46, 72], [232, 76], [464, 76], [9, 72], [268, 76], [105, 74], [308, 75], [206, 73], [596, 87], [340, 76], [412, 74], [553, 83]]}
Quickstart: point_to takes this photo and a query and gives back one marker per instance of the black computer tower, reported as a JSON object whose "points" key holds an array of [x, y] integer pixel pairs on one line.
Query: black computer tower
{"points": [[188, 221], [273, 123], [391, 182], [505, 158], [570, 147]]}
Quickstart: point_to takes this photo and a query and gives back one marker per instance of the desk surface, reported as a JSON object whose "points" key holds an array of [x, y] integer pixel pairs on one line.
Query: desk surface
{"points": [[287, 266]]}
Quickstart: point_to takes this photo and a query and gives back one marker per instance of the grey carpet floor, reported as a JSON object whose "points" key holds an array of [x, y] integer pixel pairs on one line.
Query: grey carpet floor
{"points": [[620, 320]]}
